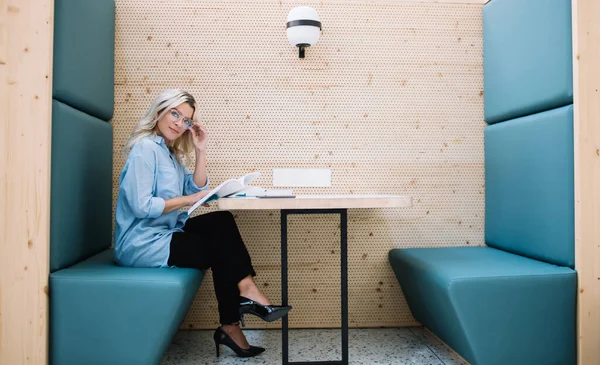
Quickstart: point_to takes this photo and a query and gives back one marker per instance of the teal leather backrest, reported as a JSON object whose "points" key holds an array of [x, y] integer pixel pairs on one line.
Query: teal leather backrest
{"points": [[81, 186], [83, 69], [81, 157], [527, 57], [529, 186]]}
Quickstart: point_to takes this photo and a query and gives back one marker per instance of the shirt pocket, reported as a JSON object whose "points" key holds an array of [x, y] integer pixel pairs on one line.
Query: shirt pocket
{"points": [[168, 184]]}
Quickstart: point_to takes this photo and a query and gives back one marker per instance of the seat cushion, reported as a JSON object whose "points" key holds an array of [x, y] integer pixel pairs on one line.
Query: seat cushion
{"points": [[101, 313], [491, 306], [81, 186], [527, 51], [530, 186], [83, 67]]}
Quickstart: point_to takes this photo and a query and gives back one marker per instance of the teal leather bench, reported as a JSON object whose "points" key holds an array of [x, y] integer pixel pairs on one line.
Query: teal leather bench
{"points": [[100, 313], [512, 301]]}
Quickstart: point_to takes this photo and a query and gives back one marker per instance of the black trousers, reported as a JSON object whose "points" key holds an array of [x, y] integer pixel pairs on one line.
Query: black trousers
{"points": [[213, 241]]}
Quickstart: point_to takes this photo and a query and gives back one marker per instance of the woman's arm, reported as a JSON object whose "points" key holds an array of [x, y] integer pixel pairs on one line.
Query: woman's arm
{"points": [[200, 169], [136, 185], [183, 201], [200, 139], [175, 203]]}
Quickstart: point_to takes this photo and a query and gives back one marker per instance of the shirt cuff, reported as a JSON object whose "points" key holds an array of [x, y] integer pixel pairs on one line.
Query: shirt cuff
{"points": [[157, 205], [195, 187]]}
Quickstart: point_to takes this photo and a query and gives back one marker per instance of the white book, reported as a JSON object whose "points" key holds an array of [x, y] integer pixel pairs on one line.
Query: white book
{"points": [[239, 188], [226, 188]]}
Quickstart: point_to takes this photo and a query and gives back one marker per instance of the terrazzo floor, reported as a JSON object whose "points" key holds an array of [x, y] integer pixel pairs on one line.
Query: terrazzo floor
{"points": [[390, 346]]}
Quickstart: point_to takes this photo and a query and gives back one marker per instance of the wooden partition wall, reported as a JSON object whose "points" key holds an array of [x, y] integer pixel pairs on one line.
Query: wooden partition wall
{"points": [[586, 87], [390, 99], [26, 29], [25, 94]]}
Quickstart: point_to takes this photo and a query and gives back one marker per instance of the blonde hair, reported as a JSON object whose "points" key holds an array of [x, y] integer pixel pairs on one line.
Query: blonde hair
{"points": [[168, 99]]}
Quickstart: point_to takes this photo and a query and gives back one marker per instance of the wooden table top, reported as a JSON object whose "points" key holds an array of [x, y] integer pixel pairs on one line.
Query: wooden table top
{"points": [[316, 202]]}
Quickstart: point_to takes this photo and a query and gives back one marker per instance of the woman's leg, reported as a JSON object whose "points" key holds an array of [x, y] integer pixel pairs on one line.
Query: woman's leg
{"points": [[194, 251], [211, 241], [235, 252]]}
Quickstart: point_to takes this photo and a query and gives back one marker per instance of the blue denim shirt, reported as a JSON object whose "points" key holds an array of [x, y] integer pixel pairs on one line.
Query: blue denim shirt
{"points": [[150, 176]]}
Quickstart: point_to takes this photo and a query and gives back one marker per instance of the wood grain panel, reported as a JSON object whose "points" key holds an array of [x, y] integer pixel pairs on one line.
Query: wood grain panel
{"points": [[586, 58], [390, 99], [26, 30]]}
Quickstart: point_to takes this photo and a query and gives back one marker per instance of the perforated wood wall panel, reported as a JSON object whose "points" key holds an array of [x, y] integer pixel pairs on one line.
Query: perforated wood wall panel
{"points": [[391, 99]]}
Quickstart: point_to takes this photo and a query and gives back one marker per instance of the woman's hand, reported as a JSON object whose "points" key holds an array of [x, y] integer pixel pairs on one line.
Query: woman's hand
{"points": [[193, 198], [185, 201], [199, 136]]}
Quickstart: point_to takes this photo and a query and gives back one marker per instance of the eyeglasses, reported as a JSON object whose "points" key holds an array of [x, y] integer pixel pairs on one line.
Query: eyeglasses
{"points": [[176, 116]]}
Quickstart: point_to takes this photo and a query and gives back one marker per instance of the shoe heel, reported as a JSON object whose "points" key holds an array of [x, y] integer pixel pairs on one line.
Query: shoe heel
{"points": [[216, 338], [222, 338], [242, 320]]}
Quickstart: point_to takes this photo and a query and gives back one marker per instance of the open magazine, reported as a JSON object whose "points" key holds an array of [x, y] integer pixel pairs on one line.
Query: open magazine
{"points": [[238, 187]]}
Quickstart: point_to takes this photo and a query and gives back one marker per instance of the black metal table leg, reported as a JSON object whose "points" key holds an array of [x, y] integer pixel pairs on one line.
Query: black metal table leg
{"points": [[344, 282], [284, 287]]}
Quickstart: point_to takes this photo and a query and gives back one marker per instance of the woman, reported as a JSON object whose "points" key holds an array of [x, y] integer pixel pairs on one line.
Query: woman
{"points": [[149, 231]]}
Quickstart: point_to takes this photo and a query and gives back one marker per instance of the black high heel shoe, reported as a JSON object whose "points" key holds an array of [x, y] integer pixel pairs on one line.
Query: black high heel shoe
{"points": [[222, 338], [268, 313]]}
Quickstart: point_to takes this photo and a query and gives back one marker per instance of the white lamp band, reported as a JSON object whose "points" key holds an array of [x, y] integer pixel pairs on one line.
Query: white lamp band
{"points": [[295, 23]]}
